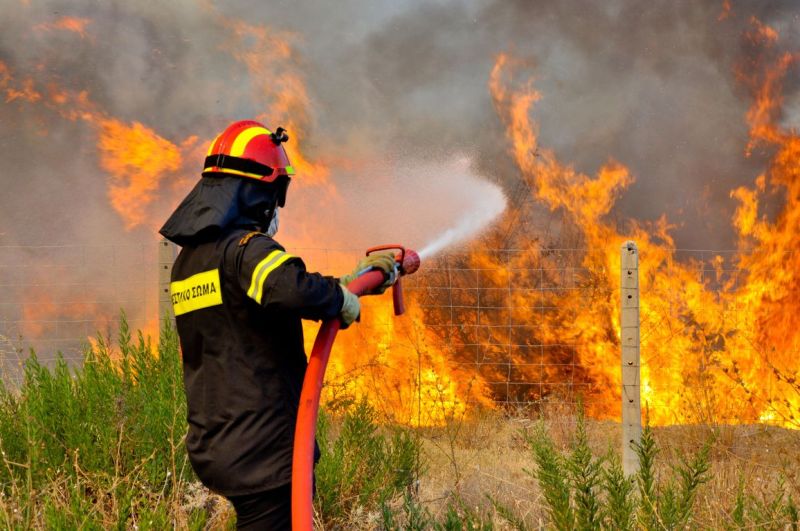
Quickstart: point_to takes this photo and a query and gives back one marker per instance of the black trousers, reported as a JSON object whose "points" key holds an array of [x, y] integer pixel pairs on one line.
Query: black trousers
{"points": [[268, 510]]}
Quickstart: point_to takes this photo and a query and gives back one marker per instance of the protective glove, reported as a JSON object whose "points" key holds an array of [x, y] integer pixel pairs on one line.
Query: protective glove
{"points": [[351, 307], [383, 261]]}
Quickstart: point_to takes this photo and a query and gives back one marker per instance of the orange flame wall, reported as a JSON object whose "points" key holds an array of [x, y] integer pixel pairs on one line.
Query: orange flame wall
{"points": [[721, 346], [709, 354]]}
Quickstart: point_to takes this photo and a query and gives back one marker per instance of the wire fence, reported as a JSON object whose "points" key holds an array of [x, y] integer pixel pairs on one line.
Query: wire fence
{"points": [[494, 317], [523, 328], [56, 298]]}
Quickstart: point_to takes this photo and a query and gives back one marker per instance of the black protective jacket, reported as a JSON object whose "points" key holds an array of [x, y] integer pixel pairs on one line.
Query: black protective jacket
{"points": [[239, 299]]}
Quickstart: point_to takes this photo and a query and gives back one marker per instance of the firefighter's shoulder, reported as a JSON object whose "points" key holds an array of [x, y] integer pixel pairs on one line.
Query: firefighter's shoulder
{"points": [[262, 258], [254, 242], [254, 247], [249, 236]]}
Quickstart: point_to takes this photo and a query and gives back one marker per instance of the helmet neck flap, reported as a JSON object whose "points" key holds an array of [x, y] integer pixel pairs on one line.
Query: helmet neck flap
{"points": [[218, 204]]}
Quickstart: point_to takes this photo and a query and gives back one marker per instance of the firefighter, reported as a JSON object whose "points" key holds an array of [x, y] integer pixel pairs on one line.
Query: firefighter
{"points": [[239, 298]]}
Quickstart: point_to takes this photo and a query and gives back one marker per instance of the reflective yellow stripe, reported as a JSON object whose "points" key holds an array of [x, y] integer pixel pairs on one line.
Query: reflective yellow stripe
{"points": [[244, 138], [289, 170], [266, 262], [199, 291], [262, 271]]}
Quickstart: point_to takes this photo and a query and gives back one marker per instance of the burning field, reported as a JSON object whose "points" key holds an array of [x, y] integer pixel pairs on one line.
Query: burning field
{"points": [[525, 142]]}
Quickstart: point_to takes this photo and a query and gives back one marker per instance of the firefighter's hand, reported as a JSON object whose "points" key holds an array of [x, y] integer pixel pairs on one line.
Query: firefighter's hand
{"points": [[383, 261], [351, 307]]}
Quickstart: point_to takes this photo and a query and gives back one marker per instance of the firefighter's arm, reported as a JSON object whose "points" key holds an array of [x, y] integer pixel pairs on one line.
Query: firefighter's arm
{"points": [[310, 295], [278, 280]]}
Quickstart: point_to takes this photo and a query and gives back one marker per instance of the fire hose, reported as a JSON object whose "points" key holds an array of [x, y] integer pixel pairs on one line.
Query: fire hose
{"points": [[305, 430]]}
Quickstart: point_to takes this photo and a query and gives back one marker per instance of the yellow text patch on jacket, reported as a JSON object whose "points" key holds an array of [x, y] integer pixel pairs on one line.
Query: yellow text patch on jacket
{"points": [[199, 291]]}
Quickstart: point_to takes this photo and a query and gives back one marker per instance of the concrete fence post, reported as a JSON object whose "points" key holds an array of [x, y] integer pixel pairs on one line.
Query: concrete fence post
{"points": [[167, 251], [631, 389]]}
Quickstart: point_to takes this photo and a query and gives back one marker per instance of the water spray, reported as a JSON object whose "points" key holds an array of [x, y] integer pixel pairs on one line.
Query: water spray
{"points": [[474, 221], [408, 262]]}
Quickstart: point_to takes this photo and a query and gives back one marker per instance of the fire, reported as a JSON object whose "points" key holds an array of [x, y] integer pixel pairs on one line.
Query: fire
{"points": [[23, 91], [134, 156], [709, 354], [715, 347], [47, 317], [137, 159], [398, 365], [144, 170], [272, 64], [726, 11], [73, 24]]}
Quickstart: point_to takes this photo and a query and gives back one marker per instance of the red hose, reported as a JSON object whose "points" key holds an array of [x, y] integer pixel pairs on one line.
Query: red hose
{"points": [[306, 428]]}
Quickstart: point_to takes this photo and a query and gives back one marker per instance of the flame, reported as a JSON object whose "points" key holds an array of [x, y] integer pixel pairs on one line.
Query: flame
{"points": [[137, 159], [23, 91], [717, 346], [140, 163], [770, 292], [400, 367], [143, 170], [708, 354], [47, 315], [272, 64], [726, 12], [59, 319], [73, 24]]}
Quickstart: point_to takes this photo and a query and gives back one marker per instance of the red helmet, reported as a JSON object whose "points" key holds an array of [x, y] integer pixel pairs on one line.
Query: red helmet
{"points": [[248, 149]]}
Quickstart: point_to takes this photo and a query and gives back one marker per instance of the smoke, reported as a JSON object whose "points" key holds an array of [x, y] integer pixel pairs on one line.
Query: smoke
{"points": [[488, 203], [650, 86], [388, 100]]}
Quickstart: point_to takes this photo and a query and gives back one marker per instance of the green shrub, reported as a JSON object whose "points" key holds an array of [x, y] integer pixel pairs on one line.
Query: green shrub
{"points": [[620, 505], [553, 476], [413, 516], [98, 445], [770, 509], [584, 492], [363, 467]]}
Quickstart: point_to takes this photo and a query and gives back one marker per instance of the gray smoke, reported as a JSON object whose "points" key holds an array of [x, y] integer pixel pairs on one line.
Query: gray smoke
{"points": [[650, 85], [401, 85]]}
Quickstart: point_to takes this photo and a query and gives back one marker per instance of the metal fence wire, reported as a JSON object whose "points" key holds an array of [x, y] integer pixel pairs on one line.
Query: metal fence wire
{"points": [[56, 297], [527, 327], [494, 316]]}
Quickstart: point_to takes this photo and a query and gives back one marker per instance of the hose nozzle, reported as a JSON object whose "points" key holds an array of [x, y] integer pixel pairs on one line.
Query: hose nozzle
{"points": [[408, 262]]}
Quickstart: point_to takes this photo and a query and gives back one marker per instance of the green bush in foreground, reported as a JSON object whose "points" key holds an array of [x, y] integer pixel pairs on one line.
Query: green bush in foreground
{"points": [[362, 468], [96, 446], [100, 446], [584, 492]]}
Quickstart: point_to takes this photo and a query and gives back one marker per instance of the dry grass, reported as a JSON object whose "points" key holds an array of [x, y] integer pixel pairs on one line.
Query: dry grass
{"points": [[489, 456]]}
